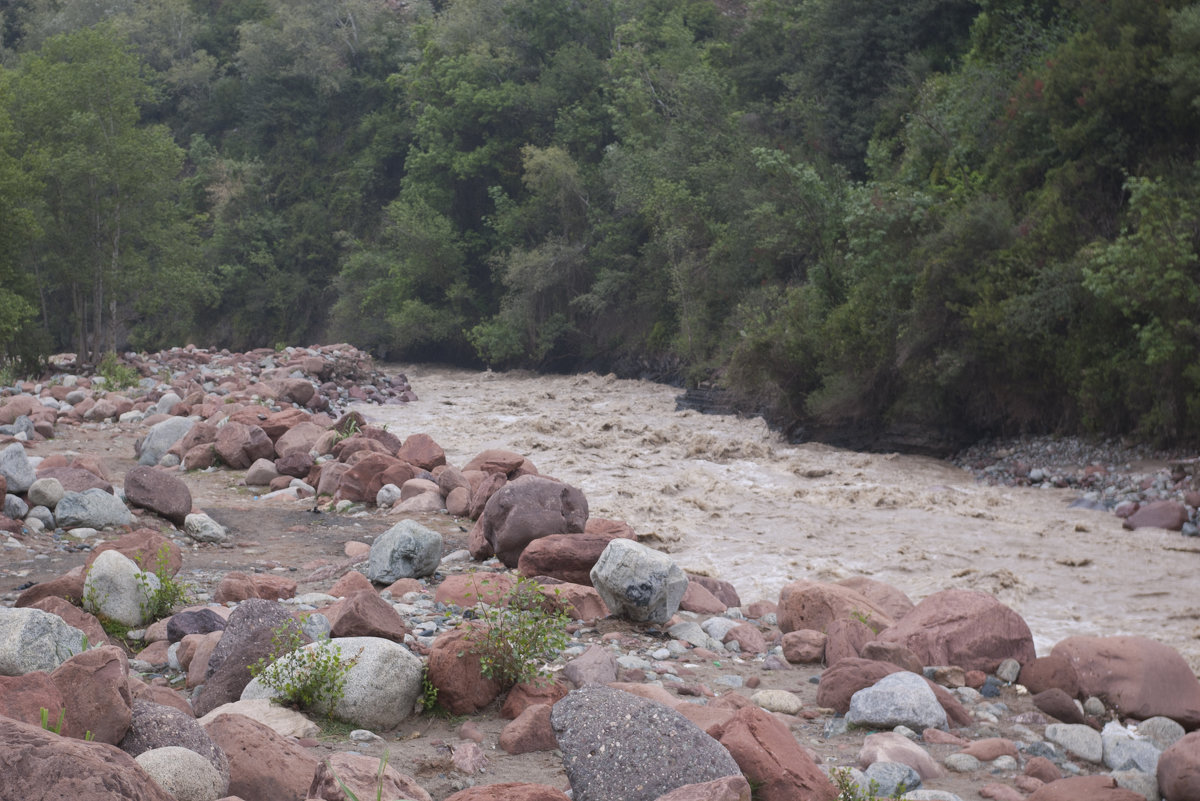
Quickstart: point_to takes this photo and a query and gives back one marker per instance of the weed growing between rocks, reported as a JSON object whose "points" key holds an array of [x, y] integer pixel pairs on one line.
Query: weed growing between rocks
{"points": [[378, 779], [307, 678], [850, 790], [520, 633], [117, 376], [162, 600]]}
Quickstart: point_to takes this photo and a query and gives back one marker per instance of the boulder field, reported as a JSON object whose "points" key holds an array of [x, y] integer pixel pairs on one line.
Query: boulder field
{"points": [[669, 686]]}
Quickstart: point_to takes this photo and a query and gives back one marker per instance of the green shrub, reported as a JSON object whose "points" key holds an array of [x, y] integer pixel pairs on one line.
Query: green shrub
{"points": [[169, 594], [116, 375], [303, 677], [519, 633]]}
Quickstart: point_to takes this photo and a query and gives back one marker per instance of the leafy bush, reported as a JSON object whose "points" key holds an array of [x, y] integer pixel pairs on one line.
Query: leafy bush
{"points": [[115, 374], [303, 677], [169, 594], [519, 633]]}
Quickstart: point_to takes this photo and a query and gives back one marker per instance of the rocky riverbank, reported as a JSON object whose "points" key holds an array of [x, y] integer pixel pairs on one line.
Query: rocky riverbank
{"points": [[381, 541]]}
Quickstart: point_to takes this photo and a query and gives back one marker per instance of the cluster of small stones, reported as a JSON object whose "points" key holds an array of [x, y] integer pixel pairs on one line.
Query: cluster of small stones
{"points": [[341, 374], [1107, 473]]}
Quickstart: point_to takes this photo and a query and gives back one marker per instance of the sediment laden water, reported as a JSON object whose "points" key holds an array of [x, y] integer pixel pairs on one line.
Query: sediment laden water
{"points": [[728, 497]]}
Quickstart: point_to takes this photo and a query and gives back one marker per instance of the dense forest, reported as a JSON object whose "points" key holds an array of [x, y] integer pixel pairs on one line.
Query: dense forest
{"points": [[884, 223]]}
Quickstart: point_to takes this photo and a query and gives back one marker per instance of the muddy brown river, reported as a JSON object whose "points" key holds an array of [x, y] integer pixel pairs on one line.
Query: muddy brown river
{"points": [[728, 497]]}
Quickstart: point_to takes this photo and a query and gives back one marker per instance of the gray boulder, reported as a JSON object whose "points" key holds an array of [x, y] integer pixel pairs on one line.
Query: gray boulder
{"points": [[16, 468], [14, 507], [31, 639], [92, 508], [161, 437], [619, 747], [383, 681], [638, 583], [45, 492], [1122, 751], [898, 699], [166, 403], [406, 550], [1077, 739], [116, 588], [202, 528], [892, 778], [183, 773], [41, 514]]}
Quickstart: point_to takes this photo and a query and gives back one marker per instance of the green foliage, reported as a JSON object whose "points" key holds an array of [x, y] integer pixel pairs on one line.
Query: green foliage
{"points": [[429, 693], [116, 374], [863, 217], [850, 790], [518, 632], [308, 678], [57, 727], [165, 595]]}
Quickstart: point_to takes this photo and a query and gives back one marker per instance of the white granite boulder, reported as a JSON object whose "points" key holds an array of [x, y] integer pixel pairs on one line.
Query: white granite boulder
{"points": [[31, 639], [638, 583], [116, 588]]}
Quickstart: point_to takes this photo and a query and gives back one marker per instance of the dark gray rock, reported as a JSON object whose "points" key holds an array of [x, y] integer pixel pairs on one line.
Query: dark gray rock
{"points": [[193, 621], [618, 747], [246, 640], [157, 726]]}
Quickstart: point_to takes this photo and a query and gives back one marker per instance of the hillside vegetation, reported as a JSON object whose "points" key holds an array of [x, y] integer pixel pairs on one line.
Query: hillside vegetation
{"points": [[884, 223]]}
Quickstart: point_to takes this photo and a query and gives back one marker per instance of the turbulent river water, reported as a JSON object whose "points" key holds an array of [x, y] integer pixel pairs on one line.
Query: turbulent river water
{"points": [[728, 497]]}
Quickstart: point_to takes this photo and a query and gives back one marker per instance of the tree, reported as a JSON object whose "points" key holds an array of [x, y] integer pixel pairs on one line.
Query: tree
{"points": [[18, 192], [112, 226]]}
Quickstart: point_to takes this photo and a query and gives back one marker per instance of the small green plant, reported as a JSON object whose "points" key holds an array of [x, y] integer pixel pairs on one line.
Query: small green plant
{"points": [[378, 779], [519, 632], [348, 429], [850, 790], [304, 677], [116, 375], [162, 600], [57, 727], [429, 692]]}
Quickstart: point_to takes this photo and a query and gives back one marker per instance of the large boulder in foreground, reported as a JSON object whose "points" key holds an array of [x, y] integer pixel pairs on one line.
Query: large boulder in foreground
{"points": [[1137, 676], [960, 627], [618, 747], [37, 765], [526, 509]]}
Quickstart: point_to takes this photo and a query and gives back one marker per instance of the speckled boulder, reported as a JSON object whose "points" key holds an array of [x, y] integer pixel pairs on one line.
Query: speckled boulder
{"points": [[618, 747]]}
